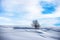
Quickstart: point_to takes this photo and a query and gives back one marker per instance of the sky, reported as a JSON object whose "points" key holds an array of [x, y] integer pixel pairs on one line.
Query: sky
{"points": [[23, 12]]}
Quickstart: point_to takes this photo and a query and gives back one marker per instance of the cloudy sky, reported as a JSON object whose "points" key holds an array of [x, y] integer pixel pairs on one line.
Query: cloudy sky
{"points": [[22, 12]]}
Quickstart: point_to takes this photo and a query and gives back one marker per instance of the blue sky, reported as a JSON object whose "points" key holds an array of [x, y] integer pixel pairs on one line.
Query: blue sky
{"points": [[22, 12], [49, 8]]}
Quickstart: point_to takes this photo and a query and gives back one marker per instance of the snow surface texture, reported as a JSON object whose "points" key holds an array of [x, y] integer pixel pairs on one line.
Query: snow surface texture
{"points": [[26, 33]]}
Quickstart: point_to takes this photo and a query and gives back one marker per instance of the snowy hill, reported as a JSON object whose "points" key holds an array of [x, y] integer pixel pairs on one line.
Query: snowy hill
{"points": [[26, 33]]}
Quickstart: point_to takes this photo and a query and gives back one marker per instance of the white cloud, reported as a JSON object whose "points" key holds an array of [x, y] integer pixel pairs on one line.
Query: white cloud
{"points": [[9, 14], [9, 5], [49, 0], [35, 11], [32, 7], [4, 19], [22, 22]]}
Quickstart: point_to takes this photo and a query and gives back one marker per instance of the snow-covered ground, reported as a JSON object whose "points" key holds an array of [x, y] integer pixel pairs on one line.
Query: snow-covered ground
{"points": [[46, 33]]}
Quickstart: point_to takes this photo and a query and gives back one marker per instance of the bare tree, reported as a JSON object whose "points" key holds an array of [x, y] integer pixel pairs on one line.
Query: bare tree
{"points": [[36, 24]]}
